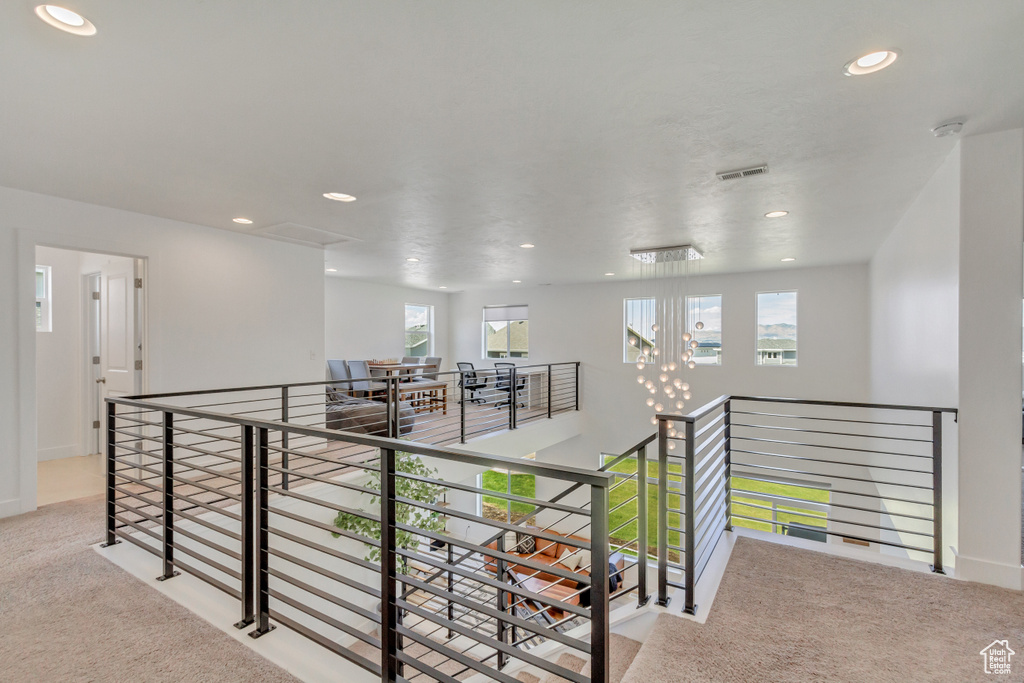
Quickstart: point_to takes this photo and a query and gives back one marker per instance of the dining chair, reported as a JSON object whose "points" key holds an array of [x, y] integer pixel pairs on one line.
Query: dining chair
{"points": [[503, 382], [429, 375], [362, 384], [338, 370], [469, 381]]}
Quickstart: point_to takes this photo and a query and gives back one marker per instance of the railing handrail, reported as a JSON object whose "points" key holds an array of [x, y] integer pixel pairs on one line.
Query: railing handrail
{"points": [[574, 474], [374, 378], [715, 403]]}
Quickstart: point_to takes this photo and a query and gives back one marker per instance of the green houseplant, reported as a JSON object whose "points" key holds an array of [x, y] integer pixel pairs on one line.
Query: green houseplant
{"points": [[409, 515]]}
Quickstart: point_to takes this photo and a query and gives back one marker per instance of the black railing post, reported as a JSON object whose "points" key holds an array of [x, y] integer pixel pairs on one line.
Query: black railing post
{"points": [[284, 439], [388, 573], [550, 368], [451, 588], [502, 604], [663, 598], [728, 465], [263, 625], [248, 526], [512, 398], [462, 407], [642, 596], [600, 664], [111, 479], [689, 561], [392, 405], [577, 385], [937, 491], [168, 499]]}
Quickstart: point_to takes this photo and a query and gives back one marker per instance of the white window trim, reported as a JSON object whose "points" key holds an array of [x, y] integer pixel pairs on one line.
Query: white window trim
{"points": [[689, 326], [625, 324], [757, 362], [430, 328]]}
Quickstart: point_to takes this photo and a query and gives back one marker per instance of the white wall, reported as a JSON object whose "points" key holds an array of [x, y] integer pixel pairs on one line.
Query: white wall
{"points": [[367, 321], [915, 280], [59, 359], [585, 323], [224, 309], [991, 238]]}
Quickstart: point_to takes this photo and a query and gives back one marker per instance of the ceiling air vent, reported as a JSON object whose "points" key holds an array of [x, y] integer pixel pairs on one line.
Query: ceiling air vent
{"points": [[743, 172], [303, 234]]}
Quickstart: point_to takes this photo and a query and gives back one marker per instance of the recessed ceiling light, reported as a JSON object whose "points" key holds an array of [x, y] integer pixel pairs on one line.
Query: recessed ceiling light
{"points": [[412, 259], [516, 282], [609, 274], [65, 20], [443, 287], [243, 221], [332, 270], [870, 63], [788, 259], [527, 245], [339, 197], [776, 214]]}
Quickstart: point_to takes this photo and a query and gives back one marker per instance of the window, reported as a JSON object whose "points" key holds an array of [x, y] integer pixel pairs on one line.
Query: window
{"points": [[419, 330], [706, 310], [775, 504], [503, 509], [44, 320], [776, 328], [506, 332], [637, 320]]}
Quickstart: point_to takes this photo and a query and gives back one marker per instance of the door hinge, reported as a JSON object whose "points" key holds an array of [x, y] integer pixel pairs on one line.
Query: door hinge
{"points": [[96, 295], [95, 424], [138, 283], [95, 360], [138, 365]]}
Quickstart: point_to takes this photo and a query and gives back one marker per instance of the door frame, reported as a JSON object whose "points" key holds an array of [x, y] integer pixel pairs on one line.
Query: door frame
{"points": [[27, 440]]}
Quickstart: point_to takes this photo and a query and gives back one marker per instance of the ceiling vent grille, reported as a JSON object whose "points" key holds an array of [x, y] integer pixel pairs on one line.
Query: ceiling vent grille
{"points": [[303, 234], [743, 172]]}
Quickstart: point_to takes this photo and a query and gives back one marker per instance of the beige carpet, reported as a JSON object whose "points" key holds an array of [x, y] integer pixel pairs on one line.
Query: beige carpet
{"points": [[69, 615], [784, 614]]}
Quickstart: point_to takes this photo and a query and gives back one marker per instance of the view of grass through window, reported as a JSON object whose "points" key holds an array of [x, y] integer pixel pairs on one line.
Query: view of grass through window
{"points": [[501, 509], [776, 511]]}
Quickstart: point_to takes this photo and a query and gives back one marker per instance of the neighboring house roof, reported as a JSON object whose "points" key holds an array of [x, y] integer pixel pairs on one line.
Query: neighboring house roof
{"points": [[776, 344], [520, 337]]}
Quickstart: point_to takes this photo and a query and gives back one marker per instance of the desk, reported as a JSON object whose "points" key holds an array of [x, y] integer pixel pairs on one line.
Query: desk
{"points": [[392, 369]]}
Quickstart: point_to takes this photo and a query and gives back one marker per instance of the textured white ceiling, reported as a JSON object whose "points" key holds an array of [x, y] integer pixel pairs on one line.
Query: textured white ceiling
{"points": [[466, 128]]}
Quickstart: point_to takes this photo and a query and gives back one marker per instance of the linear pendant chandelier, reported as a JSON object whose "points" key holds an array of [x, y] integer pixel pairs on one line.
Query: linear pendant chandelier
{"points": [[665, 347]]}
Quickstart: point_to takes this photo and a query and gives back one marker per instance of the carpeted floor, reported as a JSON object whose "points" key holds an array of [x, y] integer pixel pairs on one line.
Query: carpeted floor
{"points": [[788, 615], [70, 615]]}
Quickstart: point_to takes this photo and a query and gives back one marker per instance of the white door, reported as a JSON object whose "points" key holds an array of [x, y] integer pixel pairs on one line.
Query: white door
{"points": [[118, 343]]}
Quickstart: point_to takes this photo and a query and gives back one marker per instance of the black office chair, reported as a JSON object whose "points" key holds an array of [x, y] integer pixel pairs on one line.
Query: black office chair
{"points": [[469, 381], [503, 382]]}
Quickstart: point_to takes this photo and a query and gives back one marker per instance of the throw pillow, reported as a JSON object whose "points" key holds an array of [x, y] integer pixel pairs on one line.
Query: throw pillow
{"points": [[510, 542], [569, 560], [526, 543], [584, 556]]}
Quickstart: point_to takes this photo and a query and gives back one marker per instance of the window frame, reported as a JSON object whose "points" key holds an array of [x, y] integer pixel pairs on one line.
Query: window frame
{"points": [[508, 332], [796, 327], [692, 331], [625, 325], [430, 329], [44, 304]]}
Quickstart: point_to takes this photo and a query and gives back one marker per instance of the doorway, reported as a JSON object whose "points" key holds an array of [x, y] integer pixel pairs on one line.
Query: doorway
{"points": [[89, 344]]}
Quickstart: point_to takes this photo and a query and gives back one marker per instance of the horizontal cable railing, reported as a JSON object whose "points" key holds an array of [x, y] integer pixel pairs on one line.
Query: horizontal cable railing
{"points": [[357, 541], [860, 473]]}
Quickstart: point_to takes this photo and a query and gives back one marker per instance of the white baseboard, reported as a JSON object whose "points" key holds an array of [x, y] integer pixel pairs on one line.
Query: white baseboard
{"points": [[58, 452], [9, 508], [995, 573]]}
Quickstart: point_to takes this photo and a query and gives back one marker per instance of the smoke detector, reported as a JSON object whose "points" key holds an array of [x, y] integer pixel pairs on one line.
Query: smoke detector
{"points": [[944, 130], [742, 172]]}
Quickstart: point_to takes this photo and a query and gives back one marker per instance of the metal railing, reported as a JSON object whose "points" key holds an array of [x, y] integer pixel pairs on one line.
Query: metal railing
{"points": [[862, 473], [243, 489]]}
